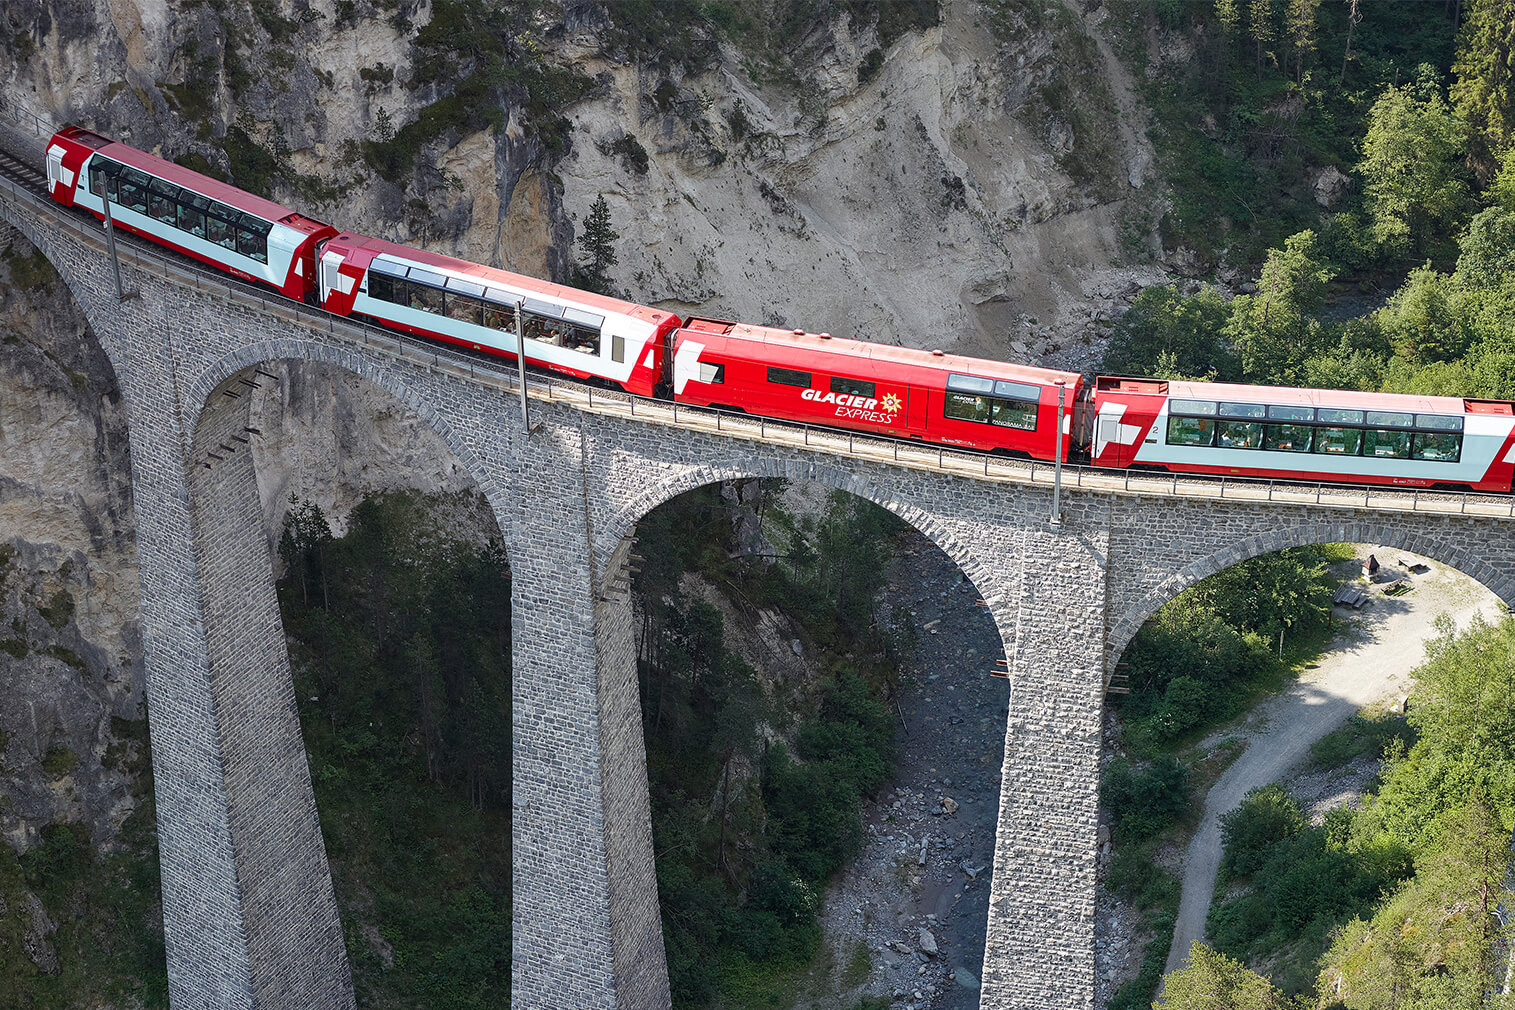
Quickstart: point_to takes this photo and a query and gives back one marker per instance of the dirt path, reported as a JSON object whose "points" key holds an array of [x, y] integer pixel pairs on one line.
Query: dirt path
{"points": [[1370, 661]]}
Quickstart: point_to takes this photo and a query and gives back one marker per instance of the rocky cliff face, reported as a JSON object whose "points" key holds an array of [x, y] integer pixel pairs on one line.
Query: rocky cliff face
{"points": [[70, 651], [966, 182]]}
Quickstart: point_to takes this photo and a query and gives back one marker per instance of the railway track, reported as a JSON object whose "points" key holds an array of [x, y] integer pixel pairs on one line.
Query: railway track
{"points": [[20, 172], [547, 386]]}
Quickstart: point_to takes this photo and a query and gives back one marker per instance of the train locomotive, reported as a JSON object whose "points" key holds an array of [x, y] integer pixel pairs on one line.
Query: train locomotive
{"points": [[929, 396]]}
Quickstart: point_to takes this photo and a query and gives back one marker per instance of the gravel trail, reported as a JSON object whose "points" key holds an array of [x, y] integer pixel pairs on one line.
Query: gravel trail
{"points": [[1370, 661]]}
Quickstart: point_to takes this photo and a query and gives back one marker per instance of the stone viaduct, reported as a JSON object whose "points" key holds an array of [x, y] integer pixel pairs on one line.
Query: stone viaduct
{"points": [[249, 913]]}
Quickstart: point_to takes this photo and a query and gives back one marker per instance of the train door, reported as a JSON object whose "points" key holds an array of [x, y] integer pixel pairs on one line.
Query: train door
{"points": [[915, 410], [1107, 433]]}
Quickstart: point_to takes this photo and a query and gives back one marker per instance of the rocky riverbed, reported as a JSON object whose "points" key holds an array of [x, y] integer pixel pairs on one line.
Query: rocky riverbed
{"points": [[917, 898]]}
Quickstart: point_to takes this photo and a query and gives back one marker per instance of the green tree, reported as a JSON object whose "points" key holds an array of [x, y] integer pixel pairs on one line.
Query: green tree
{"points": [[1487, 257], [1432, 944], [1264, 817], [1212, 981], [1483, 85], [1412, 161], [598, 242], [1169, 334], [1300, 19], [1262, 28], [1228, 13], [1423, 318], [1275, 331]]}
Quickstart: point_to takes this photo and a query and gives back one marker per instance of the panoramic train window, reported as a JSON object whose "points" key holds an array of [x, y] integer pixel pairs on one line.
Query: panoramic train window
{"points": [[1014, 414], [1447, 448], [498, 317], [1011, 405], [1243, 410], [1237, 434], [384, 281], [252, 237], [1190, 430], [1287, 437], [852, 386], [133, 187], [219, 230], [1339, 441], [1439, 422], [1291, 413], [192, 215], [163, 202], [1331, 415], [101, 169], [1390, 419], [462, 301], [967, 407], [1386, 444], [1203, 408], [990, 410], [789, 377]]}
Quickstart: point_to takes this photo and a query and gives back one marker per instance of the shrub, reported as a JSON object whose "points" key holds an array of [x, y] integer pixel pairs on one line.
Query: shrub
{"points": [[1265, 816], [1144, 802]]}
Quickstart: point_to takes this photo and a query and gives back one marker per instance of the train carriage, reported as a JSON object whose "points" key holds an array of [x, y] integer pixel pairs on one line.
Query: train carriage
{"points": [[245, 235], [877, 388], [570, 331], [1304, 434]]}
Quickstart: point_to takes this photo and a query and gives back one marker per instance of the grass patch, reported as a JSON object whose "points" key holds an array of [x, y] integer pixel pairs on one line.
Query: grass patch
{"points": [[59, 761], [1362, 736], [30, 271], [58, 609]]}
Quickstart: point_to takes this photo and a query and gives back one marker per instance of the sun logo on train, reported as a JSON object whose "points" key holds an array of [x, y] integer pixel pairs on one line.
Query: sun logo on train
{"points": [[890, 404]]}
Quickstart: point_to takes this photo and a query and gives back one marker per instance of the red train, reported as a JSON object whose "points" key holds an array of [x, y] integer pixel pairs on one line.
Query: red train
{"points": [[1308, 434]]}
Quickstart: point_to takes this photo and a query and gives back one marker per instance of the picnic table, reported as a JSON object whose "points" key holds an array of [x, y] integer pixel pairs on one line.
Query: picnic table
{"points": [[1351, 596]]}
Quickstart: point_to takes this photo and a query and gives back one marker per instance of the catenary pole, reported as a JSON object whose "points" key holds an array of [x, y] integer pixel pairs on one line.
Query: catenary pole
{"points": [[1057, 461]]}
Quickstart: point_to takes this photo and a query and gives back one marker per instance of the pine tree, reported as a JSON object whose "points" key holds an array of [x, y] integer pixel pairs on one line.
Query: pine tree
{"points": [[1300, 19], [1228, 14], [1483, 86], [1261, 12], [598, 242]]}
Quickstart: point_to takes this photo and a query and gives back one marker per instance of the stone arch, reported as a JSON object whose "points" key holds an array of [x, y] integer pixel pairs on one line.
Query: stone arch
{"points": [[294, 348], [612, 537], [1440, 549]]}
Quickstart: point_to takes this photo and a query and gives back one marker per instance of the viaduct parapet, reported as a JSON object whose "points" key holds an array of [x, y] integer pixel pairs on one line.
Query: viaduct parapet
{"points": [[250, 917]]}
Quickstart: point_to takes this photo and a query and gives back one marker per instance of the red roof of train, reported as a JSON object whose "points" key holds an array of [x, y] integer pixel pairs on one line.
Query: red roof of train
{"points": [[798, 347]]}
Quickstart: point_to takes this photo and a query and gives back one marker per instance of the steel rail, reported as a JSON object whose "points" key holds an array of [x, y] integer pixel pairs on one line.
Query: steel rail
{"points": [[23, 192]]}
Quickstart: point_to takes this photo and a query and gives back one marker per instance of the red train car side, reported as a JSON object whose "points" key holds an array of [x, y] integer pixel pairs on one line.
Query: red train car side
{"points": [[1304, 434], [877, 388]]}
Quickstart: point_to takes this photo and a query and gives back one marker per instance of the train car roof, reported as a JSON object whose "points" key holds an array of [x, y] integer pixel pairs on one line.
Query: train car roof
{"points": [[203, 184], [797, 346], [1346, 398], [563, 292]]}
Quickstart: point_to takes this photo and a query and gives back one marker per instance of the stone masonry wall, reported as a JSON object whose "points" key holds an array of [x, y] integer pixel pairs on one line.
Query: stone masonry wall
{"points": [[293, 933]]}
